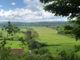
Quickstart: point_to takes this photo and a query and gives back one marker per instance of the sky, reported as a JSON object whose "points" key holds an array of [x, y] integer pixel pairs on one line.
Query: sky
{"points": [[25, 11]]}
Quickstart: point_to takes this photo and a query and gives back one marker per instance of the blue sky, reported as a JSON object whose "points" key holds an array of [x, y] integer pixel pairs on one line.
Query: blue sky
{"points": [[25, 11], [12, 4]]}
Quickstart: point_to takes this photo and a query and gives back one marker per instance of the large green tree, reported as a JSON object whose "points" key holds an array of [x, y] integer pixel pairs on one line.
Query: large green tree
{"points": [[70, 8], [63, 7]]}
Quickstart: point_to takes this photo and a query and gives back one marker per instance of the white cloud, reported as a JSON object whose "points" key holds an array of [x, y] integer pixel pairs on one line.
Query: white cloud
{"points": [[25, 14], [13, 3], [32, 12]]}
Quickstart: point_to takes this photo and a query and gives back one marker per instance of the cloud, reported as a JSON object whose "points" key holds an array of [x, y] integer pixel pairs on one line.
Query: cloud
{"points": [[13, 3], [32, 12], [34, 5], [25, 14]]}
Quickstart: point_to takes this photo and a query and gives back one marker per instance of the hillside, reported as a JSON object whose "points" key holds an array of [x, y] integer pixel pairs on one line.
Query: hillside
{"points": [[29, 24]]}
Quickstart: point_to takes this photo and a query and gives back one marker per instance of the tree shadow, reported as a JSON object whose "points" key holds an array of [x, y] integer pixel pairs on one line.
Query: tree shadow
{"points": [[48, 45], [54, 45]]}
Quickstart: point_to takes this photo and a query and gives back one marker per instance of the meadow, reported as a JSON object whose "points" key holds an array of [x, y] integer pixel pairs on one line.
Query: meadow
{"points": [[49, 36], [55, 41]]}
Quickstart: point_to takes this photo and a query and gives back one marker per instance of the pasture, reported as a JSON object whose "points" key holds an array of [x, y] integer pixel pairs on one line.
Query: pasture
{"points": [[49, 36], [56, 42]]}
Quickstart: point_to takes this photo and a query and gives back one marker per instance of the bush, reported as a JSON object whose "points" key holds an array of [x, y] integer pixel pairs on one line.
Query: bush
{"points": [[69, 55], [77, 48], [32, 44], [5, 54], [39, 54]]}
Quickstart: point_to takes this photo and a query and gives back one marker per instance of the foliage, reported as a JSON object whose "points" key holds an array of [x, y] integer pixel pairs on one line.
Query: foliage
{"points": [[57, 45], [73, 28], [60, 30], [31, 34], [40, 51], [67, 29], [31, 40], [66, 8], [77, 48], [3, 43], [10, 28], [68, 55], [39, 54], [32, 44], [63, 7], [5, 54]]}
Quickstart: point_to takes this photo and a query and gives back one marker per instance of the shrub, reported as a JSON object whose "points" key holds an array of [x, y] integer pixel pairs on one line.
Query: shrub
{"points": [[39, 54], [5, 54]]}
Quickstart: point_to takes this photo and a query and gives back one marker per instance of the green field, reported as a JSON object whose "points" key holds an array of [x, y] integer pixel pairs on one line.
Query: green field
{"points": [[56, 42]]}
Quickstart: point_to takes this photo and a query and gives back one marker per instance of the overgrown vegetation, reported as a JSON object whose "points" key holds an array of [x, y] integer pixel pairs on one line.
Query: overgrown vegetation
{"points": [[35, 48]]}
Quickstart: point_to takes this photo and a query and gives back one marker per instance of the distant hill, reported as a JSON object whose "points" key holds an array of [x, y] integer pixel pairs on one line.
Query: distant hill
{"points": [[30, 24]]}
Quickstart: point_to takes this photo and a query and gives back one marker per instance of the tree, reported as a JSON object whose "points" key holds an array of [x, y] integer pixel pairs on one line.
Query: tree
{"points": [[69, 8], [68, 29], [10, 28], [32, 39], [31, 34], [39, 54], [63, 7]]}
